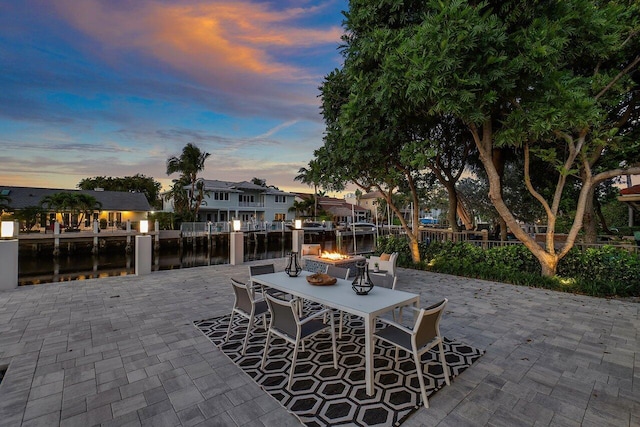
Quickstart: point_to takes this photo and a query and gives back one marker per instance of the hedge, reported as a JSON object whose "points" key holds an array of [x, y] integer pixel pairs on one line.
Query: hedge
{"points": [[604, 272]]}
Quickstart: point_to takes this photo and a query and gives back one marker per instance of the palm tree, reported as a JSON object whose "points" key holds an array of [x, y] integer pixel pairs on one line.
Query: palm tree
{"points": [[310, 177], [57, 202], [180, 198], [189, 164], [79, 204], [84, 205]]}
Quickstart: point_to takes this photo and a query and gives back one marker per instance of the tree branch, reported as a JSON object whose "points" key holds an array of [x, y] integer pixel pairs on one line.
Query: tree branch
{"points": [[618, 76], [527, 182], [603, 176]]}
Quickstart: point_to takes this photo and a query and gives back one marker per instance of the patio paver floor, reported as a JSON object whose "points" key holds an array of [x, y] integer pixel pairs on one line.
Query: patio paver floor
{"points": [[124, 351]]}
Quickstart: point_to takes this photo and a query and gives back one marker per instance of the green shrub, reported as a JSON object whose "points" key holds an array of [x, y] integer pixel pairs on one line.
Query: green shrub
{"points": [[606, 271]]}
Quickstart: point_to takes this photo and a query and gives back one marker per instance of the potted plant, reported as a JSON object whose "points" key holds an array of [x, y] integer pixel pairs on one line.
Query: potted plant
{"points": [[376, 267]]}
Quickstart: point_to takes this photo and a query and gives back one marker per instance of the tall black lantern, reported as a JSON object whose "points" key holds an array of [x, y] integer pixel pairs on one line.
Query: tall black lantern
{"points": [[362, 284], [293, 267]]}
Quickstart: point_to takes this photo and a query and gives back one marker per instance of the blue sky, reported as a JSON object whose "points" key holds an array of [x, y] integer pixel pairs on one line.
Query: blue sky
{"points": [[115, 87]]}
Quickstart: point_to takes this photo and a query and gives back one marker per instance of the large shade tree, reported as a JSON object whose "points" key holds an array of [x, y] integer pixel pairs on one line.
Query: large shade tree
{"points": [[544, 76], [366, 148], [381, 146]]}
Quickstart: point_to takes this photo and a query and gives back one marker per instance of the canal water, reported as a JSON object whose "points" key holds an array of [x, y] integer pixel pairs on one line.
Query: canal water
{"points": [[80, 264]]}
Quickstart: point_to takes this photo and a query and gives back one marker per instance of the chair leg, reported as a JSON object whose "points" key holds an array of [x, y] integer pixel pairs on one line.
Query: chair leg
{"points": [[246, 335], [333, 340], [229, 328], [293, 365], [340, 325], [423, 391], [445, 367], [266, 350]]}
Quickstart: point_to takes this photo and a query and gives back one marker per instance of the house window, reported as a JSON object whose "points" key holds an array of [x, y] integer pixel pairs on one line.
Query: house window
{"points": [[115, 218], [220, 196], [247, 198], [281, 199], [280, 217]]}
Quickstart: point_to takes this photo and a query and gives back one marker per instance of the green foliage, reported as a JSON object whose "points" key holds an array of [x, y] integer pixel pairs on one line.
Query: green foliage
{"points": [[603, 272], [72, 202], [29, 216], [189, 164], [166, 220], [616, 214], [4, 202], [607, 271], [138, 183], [557, 76]]}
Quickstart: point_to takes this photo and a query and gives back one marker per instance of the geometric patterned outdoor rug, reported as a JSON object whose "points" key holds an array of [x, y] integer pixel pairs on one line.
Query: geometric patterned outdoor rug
{"points": [[321, 395]]}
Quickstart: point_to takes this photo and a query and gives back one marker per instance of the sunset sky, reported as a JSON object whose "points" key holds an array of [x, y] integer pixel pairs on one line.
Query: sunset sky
{"points": [[115, 87]]}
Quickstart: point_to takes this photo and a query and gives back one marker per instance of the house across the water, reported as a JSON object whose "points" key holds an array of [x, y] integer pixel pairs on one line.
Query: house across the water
{"points": [[225, 201], [115, 208]]}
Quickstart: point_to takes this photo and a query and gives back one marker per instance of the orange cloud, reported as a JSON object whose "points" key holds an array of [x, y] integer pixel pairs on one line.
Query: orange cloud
{"points": [[207, 41]]}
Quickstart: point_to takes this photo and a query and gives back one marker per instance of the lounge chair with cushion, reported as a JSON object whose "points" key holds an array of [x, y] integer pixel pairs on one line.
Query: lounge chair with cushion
{"points": [[386, 262]]}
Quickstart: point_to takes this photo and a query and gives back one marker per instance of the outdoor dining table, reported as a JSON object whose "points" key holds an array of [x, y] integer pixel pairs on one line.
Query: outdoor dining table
{"points": [[342, 297]]}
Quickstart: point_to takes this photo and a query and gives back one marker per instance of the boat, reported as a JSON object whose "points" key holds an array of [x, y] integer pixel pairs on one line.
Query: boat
{"points": [[309, 226]]}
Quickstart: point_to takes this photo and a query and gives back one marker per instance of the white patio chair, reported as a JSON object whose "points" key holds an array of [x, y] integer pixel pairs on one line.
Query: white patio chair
{"points": [[340, 273], [424, 336], [248, 307], [286, 324]]}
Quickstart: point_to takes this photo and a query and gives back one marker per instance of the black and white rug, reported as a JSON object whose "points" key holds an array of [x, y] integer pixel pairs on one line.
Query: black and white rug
{"points": [[321, 395]]}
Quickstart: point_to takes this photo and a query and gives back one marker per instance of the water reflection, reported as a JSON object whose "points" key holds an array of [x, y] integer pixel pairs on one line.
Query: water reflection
{"points": [[45, 268]]}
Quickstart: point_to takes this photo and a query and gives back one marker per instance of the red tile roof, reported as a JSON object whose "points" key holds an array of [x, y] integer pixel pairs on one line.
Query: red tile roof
{"points": [[631, 190]]}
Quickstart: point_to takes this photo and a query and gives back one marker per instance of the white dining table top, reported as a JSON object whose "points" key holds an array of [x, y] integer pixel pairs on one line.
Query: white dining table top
{"points": [[340, 296]]}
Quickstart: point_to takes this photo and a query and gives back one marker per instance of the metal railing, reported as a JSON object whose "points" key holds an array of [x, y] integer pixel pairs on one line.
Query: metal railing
{"points": [[196, 229], [251, 204]]}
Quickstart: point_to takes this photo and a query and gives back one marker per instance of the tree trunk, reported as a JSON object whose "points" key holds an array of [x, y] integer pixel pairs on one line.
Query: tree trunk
{"points": [[503, 229], [589, 220], [415, 251], [549, 264], [453, 208], [464, 215], [548, 260], [597, 208], [499, 160]]}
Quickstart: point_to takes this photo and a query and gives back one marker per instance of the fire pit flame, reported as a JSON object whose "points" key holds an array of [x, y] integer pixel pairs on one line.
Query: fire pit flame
{"points": [[333, 256]]}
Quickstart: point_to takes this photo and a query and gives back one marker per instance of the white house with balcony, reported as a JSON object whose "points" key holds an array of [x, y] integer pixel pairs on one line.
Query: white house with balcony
{"points": [[225, 201]]}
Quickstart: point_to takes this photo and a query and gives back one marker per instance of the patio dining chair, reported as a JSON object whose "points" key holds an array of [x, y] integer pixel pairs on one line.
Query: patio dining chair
{"points": [[424, 335], [286, 324], [340, 273], [255, 270], [248, 307]]}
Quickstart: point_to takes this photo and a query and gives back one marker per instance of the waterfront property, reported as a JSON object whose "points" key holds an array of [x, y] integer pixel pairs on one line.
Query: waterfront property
{"points": [[124, 350], [243, 200], [116, 208]]}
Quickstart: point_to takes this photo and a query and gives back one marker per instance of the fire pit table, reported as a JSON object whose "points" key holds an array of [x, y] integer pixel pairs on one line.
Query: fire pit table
{"points": [[318, 264]]}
